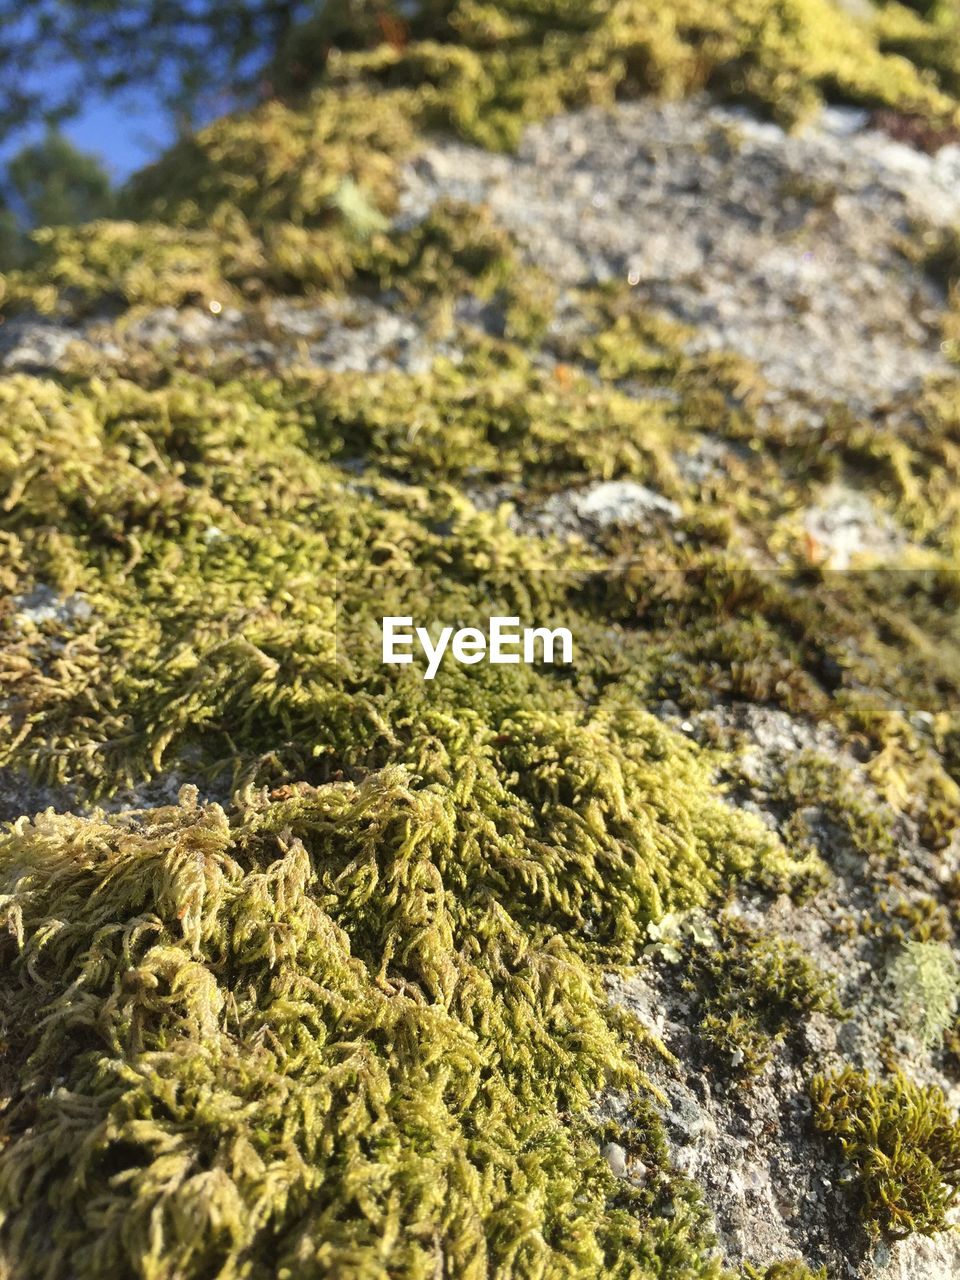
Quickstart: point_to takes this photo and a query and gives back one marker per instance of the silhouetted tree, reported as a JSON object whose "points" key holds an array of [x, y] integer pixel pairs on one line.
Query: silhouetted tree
{"points": [[52, 182]]}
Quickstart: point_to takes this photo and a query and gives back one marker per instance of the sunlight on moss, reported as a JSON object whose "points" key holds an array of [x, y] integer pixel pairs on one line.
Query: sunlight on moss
{"points": [[901, 1142]]}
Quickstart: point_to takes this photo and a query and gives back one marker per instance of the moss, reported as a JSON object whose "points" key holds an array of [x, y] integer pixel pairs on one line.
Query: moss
{"points": [[926, 980], [917, 920], [184, 510], [355, 1023], [78, 269], [790, 1269], [296, 1034], [485, 72], [814, 781], [278, 164], [901, 1143], [490, 68], [669, 1204], [930, 38], [751, 991]]}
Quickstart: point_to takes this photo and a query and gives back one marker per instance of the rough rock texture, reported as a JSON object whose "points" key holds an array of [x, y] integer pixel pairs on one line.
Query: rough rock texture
{"points": [[786, 248], [750, 1147]]}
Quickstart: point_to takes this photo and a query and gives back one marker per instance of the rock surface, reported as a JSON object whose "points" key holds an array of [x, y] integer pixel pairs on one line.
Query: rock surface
{"points": [[786, 248]]}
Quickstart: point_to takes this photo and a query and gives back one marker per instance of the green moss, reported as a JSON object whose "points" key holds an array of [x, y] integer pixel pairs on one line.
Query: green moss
{"points": [[791, 1269], [930, 38], [356, 1024], [78, 269], [272, 175], [295, 1035], [278, 164], [752, 991], [813, 780], [490, 68], [668, 1203], [917, 920], [185, 510], [901, 1143]]}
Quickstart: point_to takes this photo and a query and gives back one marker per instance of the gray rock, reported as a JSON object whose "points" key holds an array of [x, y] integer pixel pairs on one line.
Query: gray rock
{"points": [[604, 505], [784, 248], [185, 326], [33, 345], [616, 1158], [845, 526], [356, 334], [43, 604]]}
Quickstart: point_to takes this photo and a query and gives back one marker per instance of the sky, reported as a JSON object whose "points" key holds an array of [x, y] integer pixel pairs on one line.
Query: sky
{"points": [[124, 135], [125, 130]]}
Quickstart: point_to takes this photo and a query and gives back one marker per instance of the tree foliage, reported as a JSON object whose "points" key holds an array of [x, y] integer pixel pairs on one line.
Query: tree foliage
{"points": [[49, 183], [54, 53], [54, 183]]}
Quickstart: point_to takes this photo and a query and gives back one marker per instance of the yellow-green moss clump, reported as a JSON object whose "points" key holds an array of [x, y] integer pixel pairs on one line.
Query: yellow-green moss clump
{"points": [[76, 270], [281, 193], [205, 520], [902, 1144], [353, 1030], [486, 69], [790, 1269], [357, 1024]]}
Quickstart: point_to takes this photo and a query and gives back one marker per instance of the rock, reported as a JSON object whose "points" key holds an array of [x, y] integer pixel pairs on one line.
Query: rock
{"points": [[616, 1158], [786, 248], [845, 526], [44, 605], [357, 333], [21, 795], [33, 345], [614, 502], [843, 122], [189, 326]]}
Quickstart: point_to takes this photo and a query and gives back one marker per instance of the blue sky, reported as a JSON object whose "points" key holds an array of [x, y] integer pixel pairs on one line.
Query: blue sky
{"points": [[128, 129], [124, 135]]}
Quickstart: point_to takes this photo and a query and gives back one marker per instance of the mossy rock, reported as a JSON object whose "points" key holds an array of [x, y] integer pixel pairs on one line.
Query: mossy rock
{"points": [[352, 1019]]}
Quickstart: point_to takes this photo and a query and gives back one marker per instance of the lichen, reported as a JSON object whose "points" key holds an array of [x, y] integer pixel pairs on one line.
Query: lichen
{"points": [[926, 980]]}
